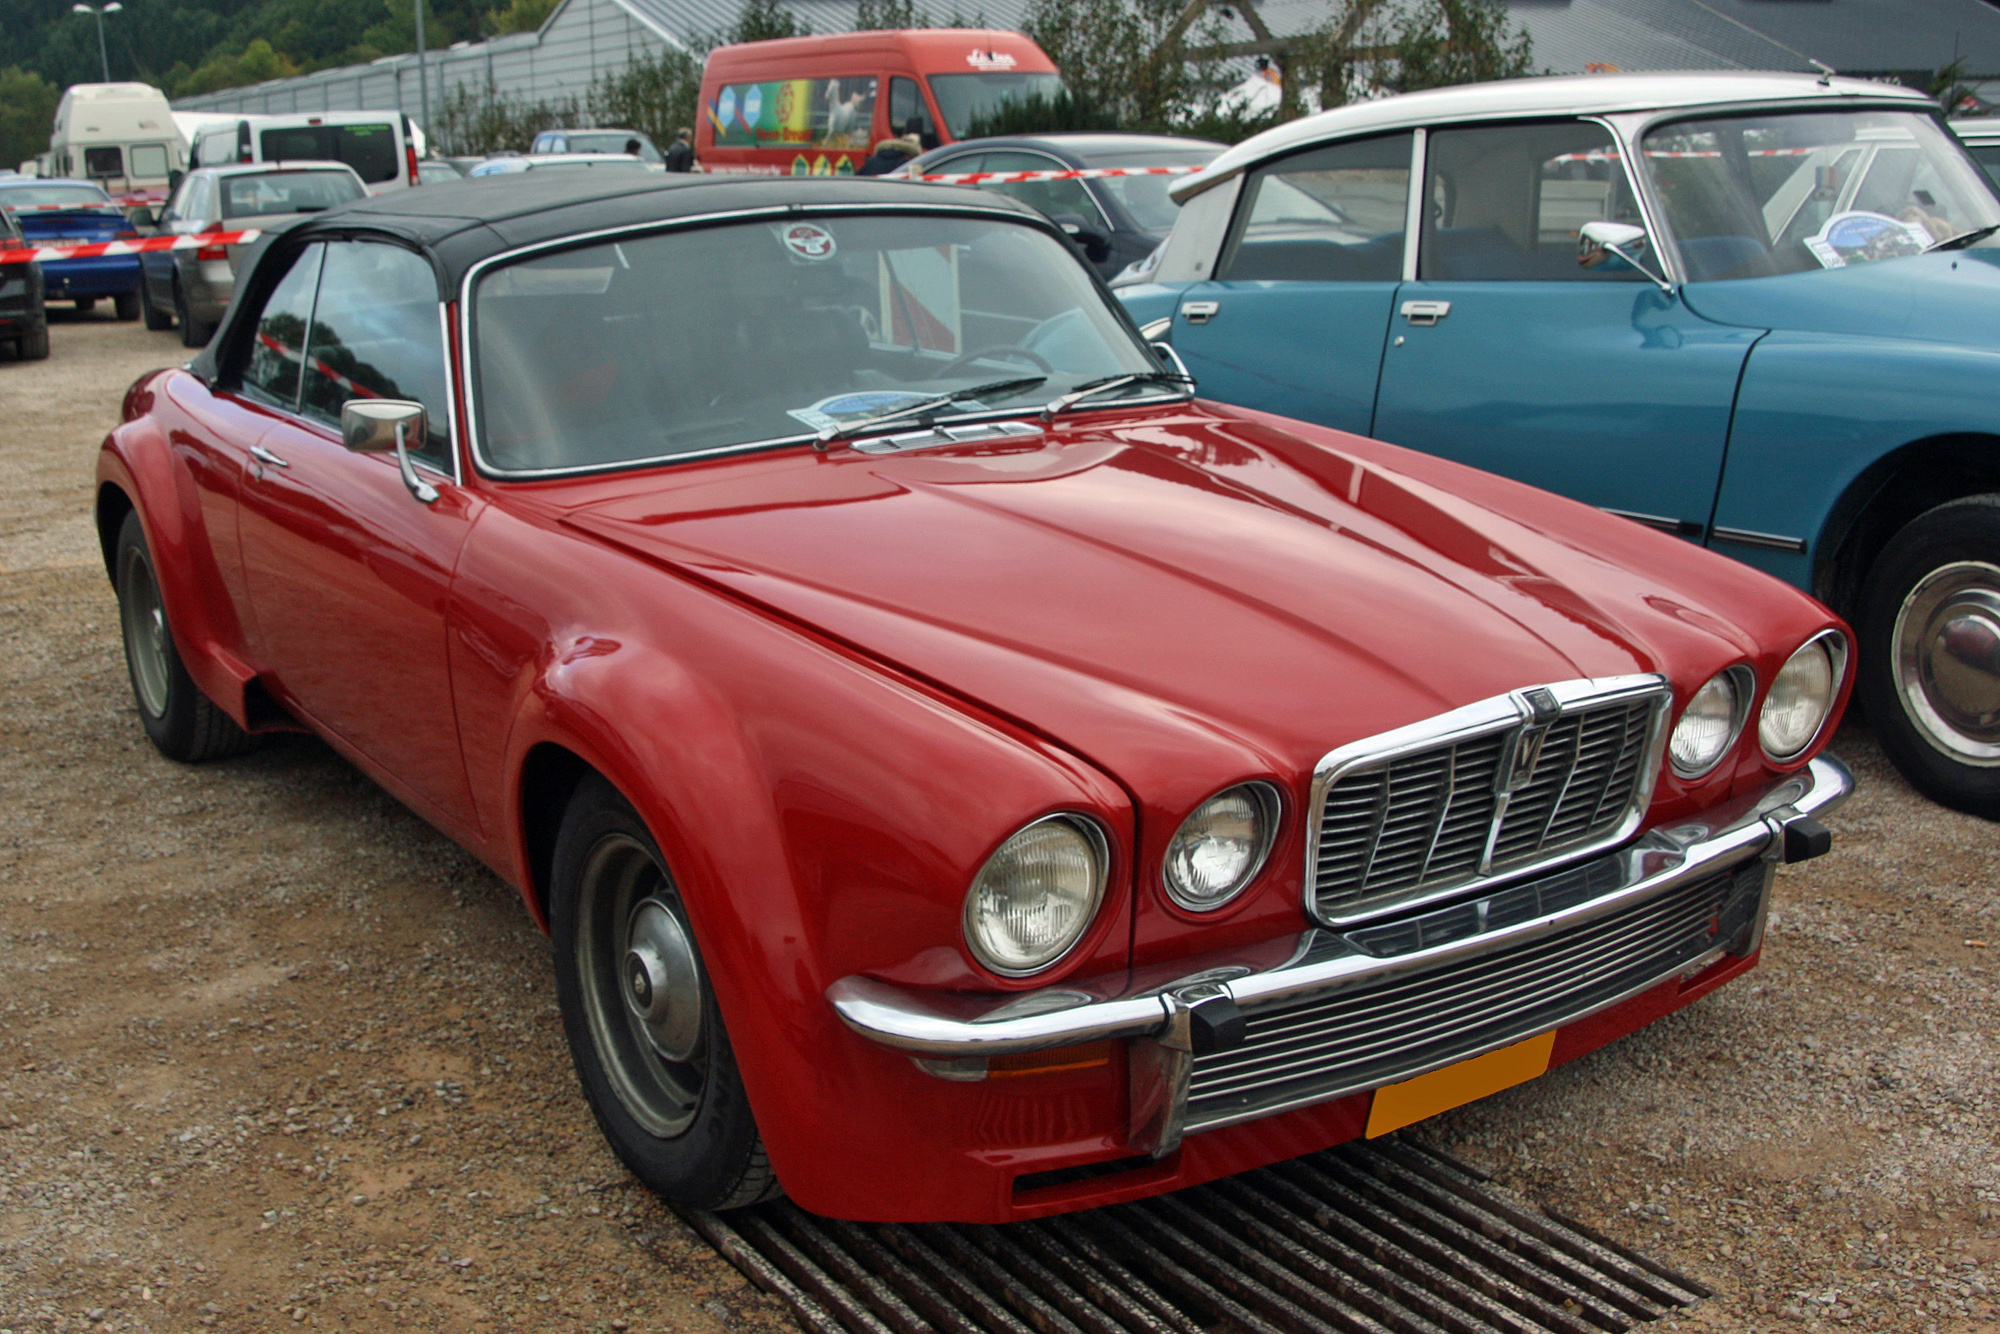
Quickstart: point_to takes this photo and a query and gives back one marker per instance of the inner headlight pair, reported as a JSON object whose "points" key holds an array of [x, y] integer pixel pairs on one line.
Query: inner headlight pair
{"points": [[1036, 895], [1797, 706]]}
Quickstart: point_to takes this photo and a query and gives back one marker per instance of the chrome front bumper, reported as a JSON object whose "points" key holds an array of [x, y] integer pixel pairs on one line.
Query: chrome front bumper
{"points": [[1195, 1007]]}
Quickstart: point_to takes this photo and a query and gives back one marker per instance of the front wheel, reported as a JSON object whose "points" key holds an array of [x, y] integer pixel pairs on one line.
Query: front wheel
{"points": [[156, 319], [193, 332], [643, 1026], [126, 305], [34, 346], [181, 721], [1929, 674]]}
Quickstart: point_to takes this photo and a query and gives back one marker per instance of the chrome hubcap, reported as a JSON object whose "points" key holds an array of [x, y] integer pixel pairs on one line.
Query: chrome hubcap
{"points": [[1947, 646], [642, 986], [144, 620]]}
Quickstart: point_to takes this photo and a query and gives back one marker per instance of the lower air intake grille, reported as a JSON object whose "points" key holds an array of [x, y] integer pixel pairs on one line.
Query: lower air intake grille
{"points": [[1375, 1035]]}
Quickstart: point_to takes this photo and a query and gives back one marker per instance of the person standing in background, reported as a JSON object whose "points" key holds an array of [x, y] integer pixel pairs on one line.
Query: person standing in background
{"points": [[680, 154]]}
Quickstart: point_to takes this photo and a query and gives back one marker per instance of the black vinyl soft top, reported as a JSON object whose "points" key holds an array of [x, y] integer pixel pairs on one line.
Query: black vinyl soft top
{"points": [[459, 223]]}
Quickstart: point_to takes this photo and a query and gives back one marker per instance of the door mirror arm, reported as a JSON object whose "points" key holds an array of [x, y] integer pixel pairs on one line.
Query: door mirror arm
{"points": [[1597, 241], [382, 426]]}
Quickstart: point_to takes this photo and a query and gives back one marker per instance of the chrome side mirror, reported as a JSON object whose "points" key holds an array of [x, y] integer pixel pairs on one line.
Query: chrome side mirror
{"points": [[385, 426], [1597, 242]]}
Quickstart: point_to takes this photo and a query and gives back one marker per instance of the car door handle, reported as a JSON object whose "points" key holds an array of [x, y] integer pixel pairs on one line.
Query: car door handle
{"points": [[1199, 312], [1425, 312], [264, 455]]}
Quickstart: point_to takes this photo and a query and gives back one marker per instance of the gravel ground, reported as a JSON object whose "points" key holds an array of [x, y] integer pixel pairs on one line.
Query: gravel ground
{"points": [[275, 1055]]}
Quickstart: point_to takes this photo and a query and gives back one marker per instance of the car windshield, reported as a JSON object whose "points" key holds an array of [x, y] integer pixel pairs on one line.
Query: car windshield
{"points": [[964, 100], [53, 196], [1145, 197], [265, 196], [1751, 196], [762, 332], [612, 143]]}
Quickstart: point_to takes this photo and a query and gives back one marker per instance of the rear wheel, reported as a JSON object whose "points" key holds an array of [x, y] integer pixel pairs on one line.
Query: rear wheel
{"points": [[643, 1026], [84, 304], [34, 346], [156, 319], [1930, 653], [193, 332], [126, 304], [181, 721]]}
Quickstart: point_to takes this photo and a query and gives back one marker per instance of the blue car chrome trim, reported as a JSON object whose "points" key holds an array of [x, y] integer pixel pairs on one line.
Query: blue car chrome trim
{"points": [[1768, 541], [1172, 1014]]}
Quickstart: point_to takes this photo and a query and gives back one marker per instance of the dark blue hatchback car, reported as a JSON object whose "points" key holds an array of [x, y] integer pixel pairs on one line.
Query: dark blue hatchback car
{"points": [[1761, 311], [58, 212]]}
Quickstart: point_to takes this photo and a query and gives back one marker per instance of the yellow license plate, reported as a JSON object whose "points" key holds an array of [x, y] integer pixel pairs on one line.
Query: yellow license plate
{"points": [[1399, 1105]]}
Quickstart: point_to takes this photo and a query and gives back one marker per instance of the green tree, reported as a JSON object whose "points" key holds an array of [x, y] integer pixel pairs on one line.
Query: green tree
{"points": [[762, 20], [1124, 65], [871, 14], [1459, 41], [27, 115], [520, 16], [658, 94], [257, 63]]}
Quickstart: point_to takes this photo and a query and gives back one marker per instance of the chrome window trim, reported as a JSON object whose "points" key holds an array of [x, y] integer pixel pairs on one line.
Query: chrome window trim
{"points": [[1744, 676], [1413, 200], [969, 207], [1482, 718]]}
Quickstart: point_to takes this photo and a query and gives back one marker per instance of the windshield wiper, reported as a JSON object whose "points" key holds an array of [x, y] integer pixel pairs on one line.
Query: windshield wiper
{"points": [[1963, 239], [1095, 387], [842, 430]]}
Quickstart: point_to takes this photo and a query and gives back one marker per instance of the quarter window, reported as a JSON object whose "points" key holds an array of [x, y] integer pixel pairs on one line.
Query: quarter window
{"points": [[149, 159], [1506, 202], [1333, 214], [376, 335], [273, 370]]}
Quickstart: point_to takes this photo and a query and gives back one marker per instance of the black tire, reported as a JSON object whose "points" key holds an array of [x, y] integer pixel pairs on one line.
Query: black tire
{"points": [[182, 723], [33, 346], [84, 304], [193, 332], [156, 319], [1929, 674], [126, 305], [665, 1088]]}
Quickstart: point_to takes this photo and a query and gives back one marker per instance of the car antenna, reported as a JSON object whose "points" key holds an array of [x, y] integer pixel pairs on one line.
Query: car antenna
{"points": [[1826, 71]]}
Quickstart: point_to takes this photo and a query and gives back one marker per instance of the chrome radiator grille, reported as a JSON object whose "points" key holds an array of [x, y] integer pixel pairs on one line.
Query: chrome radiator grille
{"points": [[1431, 818], [1374, 1035]]}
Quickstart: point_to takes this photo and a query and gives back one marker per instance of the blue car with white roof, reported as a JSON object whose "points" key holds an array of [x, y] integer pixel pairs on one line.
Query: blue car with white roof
{"points": [[1761, 311], [68, 212]]}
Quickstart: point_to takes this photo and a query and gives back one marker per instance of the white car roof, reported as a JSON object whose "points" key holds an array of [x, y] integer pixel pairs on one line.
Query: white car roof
{"points": [[1569, 95]]}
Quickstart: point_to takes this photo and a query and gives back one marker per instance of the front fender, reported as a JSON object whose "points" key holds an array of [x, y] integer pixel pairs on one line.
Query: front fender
{"points": [[136, 467], [1816, 411], [821, 815]]}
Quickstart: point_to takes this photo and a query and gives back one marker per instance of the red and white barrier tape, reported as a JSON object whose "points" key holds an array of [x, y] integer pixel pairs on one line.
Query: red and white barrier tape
{"points": [[92, 249], [1078, 174]]}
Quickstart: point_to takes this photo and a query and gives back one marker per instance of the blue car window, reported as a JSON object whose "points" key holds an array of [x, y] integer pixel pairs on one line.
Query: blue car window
{"points": [[1507, 202], [1333, 214]]}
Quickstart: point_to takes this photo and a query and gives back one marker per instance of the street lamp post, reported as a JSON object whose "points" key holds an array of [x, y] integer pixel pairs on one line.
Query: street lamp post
{"points": [[112, 8]]}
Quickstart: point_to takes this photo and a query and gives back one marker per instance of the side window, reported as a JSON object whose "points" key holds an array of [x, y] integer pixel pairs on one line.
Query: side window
{"points": [[906, 112], [149, 159], [1054, 198], [1505, 202], [273, 371], [105, 161], [1334, 214], [376, 334]]}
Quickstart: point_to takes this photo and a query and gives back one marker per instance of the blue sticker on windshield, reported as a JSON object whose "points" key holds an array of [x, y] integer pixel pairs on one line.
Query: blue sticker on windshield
{"points": [[1859, 238], [841, 408]]}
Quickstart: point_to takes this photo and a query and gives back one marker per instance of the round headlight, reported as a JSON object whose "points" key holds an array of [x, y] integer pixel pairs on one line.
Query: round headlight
{"points": [[1036, 895], [1801, 696], [1710, 723], [1220, 847]]}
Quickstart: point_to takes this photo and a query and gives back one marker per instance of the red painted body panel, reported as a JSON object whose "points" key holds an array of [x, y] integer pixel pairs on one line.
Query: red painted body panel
{"points": [[833, 683]]}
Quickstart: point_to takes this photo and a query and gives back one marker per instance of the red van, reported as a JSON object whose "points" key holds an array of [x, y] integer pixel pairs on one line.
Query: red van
{"points": [[817, 106]]}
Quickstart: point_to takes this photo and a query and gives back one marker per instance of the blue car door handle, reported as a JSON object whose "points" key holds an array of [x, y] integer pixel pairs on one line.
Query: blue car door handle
{"points": [[1425, 312], [1199, 312]]}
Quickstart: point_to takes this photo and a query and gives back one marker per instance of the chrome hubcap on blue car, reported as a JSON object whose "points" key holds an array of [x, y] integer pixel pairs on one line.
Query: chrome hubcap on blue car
{"points": [[1947, 644]]}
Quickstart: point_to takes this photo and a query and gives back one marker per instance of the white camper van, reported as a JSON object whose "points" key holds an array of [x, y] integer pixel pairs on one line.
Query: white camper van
{"points": [[122, 136]]}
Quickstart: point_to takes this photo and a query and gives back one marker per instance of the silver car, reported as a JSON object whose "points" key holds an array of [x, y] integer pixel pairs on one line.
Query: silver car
{"points": [[192, 286]]}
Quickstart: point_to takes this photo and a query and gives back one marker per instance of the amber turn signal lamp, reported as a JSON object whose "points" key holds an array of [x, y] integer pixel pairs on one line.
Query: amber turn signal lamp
{"points": [[1082, 1056]]}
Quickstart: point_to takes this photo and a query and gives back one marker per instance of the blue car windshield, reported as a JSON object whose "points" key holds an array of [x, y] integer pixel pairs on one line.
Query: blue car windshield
{"points": [[1755, 195], [759, 333]]}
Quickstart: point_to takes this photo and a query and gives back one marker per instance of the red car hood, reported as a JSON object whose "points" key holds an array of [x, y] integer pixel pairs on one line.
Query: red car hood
{"points": [[1189, 593]]}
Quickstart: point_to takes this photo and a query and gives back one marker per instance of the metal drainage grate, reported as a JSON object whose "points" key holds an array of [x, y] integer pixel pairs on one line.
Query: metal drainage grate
{"points": [[1388, 1236]]}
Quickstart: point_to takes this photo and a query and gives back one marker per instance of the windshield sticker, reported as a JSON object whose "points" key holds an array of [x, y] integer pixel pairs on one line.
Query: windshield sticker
{"points": [[843, 408], [1859, 238], [806, 241]]}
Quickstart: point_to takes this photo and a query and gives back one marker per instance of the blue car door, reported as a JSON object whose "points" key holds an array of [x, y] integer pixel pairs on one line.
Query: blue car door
{"points": [[1507, 354], [1294, 319]]}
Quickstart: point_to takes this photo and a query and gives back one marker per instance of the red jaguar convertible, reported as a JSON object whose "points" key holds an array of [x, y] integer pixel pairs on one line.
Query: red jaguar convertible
{"points": [[964, 775]]}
